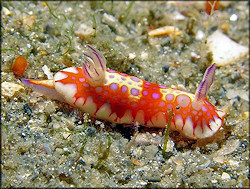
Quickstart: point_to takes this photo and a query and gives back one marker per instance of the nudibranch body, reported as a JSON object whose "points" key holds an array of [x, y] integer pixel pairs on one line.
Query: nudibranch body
{"points": [[120, 98]]}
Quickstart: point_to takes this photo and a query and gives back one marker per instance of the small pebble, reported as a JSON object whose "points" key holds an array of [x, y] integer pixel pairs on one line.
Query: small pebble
{"points": [[214, 181], [59, 150], [85, 31], [233, 18], [127, 177], [119, 38], [229, 147], [69, 123], [179, 16], [56, 126], [28, 21], [167, 171], [195, 56], [59, 113], [27, 109], [233, 163], [143, 183], [144, 55], [47, 148], [199, 35], [6, 11], [66, 150], [131, 56], [152, 179], [165, 68], [166, 30], [81, 161], [91, 131], [66, 135], [150, 150], [136, 162], [225, 176], [109, 20]]}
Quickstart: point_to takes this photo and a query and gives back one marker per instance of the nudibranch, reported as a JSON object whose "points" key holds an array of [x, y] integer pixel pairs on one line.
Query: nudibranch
{"points": [[120, 98]]}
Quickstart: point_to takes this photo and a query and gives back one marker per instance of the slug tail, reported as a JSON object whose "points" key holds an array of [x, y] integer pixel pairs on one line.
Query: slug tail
{"points": [[46, 87]]}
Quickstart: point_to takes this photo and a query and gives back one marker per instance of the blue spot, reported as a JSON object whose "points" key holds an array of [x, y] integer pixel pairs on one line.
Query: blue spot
{"points": [[204, 109], [162, 103], [145, 93], [81, 79], [113, 86], [124, 89], [134, 92], [155, 95], [135, 79], [111, 76], [85, 84], [162, 87]]}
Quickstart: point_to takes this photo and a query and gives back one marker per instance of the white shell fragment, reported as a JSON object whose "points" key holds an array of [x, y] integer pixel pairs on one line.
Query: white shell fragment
{"points": [[85, 31], [199, 35], [109, 20], [228, 148], [225, 51], [225, 176], [9, 89], [233, 93], [6, 11], [166, 30], [47, 72]]}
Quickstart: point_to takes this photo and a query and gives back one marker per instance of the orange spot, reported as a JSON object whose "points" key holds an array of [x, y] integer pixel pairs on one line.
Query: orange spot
{"points": [[150, 27], [43, 4], [175, 64], [19, 66], [209, 5]]}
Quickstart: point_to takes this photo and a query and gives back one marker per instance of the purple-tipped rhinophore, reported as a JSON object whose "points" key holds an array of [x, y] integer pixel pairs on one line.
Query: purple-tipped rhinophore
{"points": [[94, 67], [206, 83], [201, 91], [99, 56]]}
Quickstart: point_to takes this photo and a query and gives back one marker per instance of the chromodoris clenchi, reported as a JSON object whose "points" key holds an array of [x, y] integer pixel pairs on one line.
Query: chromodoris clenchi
{"points": [[120, 98]]}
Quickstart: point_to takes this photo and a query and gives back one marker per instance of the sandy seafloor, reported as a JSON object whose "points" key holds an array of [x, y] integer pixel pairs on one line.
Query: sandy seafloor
{"points": [[45, 143]]}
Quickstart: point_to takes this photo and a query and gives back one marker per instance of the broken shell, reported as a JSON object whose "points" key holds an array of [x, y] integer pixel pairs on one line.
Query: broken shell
{"points": [[85, 31], [47, 72], [10, 89], [28, 21], [136, 162], [225, 51], [6, 11], [166, 30], [119, 38]]}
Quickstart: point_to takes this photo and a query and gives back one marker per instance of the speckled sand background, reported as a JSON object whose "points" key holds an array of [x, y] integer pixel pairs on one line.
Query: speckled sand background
{"points": [[45, 143]]}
